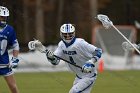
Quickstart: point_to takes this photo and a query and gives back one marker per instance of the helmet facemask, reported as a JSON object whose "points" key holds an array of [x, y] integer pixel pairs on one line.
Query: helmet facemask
{"points": [[67, 32], [68, 37], [3, 21]]}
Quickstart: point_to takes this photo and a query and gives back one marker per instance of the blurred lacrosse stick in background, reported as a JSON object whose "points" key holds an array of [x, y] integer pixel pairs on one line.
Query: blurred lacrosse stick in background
{"points": [[126, 46], [107, 23]]}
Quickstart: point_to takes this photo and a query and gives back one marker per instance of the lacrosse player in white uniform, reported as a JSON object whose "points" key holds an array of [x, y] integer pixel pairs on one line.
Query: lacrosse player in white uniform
{"points": [[79, 55], [79, 52]]}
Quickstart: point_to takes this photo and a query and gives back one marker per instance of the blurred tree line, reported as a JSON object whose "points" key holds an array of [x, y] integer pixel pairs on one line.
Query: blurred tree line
{"points": [[41, 19]]}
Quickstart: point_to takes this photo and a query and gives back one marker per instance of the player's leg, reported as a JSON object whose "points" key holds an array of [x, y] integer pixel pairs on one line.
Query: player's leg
{"points": [[8, 76], [83, 85], [11, 83]]}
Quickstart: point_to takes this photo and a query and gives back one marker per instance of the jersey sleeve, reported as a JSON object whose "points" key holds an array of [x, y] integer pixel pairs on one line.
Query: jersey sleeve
{"points": [[13, 42], [90, 50], [58, 51]]}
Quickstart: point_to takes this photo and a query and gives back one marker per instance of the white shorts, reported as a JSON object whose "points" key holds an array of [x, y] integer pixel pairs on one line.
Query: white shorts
{"points": [[83, 85]]}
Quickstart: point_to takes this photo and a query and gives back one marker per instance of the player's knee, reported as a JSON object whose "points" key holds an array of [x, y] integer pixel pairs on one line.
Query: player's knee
{"points": [[13, 88], [74, 90]]}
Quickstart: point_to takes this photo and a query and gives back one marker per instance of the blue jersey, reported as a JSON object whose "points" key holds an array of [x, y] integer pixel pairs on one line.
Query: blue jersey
{"points": [[7, 39]]}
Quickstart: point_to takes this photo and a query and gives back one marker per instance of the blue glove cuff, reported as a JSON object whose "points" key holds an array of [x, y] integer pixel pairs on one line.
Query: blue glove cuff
{"points": [[89, 64]]}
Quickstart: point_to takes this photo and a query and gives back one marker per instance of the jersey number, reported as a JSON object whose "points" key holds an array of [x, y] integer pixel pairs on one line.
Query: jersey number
{"points": [[71, 60], [3, 45]]}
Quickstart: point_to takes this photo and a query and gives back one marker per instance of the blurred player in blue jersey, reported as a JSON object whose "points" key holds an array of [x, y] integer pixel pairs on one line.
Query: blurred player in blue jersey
{"points": [[79, 52], [8, 40]]}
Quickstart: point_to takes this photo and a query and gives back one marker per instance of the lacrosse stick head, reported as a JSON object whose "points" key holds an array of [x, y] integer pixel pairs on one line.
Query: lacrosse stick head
{"points": [[39, 46], [104, 20], [31, 45], [126, 46], [36, 45]]}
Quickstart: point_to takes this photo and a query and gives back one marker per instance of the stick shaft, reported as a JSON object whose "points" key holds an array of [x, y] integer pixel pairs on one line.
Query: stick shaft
{"points": [[125, 38], [4, 65], [68, 62], [43, 49], [65, 60]]}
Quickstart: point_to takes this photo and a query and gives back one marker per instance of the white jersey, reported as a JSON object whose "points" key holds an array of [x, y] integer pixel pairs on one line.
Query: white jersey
{"points": [[78, 52]]}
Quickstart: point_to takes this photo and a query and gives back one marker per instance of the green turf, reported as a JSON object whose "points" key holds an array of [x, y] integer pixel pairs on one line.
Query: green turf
{"points": [[61, 82]]}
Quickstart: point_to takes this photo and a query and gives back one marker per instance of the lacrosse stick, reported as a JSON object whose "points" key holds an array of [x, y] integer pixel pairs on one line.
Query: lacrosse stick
{"points": [[4, 65], [37, 45], [108, 23], [126, 46]]}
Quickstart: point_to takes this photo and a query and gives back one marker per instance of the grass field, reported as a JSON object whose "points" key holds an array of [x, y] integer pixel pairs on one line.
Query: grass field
{"points": [[61, 82]]}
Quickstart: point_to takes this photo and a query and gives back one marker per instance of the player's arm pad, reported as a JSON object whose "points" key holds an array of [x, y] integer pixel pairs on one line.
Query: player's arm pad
{"points": [[96, 55], [15, 46], [51, 58]]}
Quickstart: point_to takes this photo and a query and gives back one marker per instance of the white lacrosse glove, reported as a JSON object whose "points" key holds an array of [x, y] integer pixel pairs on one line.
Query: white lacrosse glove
{"points": [[52, 58], [14, 62], [49, 54], [88, 67]]}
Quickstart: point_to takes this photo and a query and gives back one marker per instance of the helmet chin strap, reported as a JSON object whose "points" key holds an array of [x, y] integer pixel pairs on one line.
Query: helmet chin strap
{"points": [[68, 41]]}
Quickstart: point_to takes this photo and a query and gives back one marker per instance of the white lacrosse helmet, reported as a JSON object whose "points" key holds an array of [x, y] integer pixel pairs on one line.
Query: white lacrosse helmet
{"points": [[67, 32], [4, 11]]}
